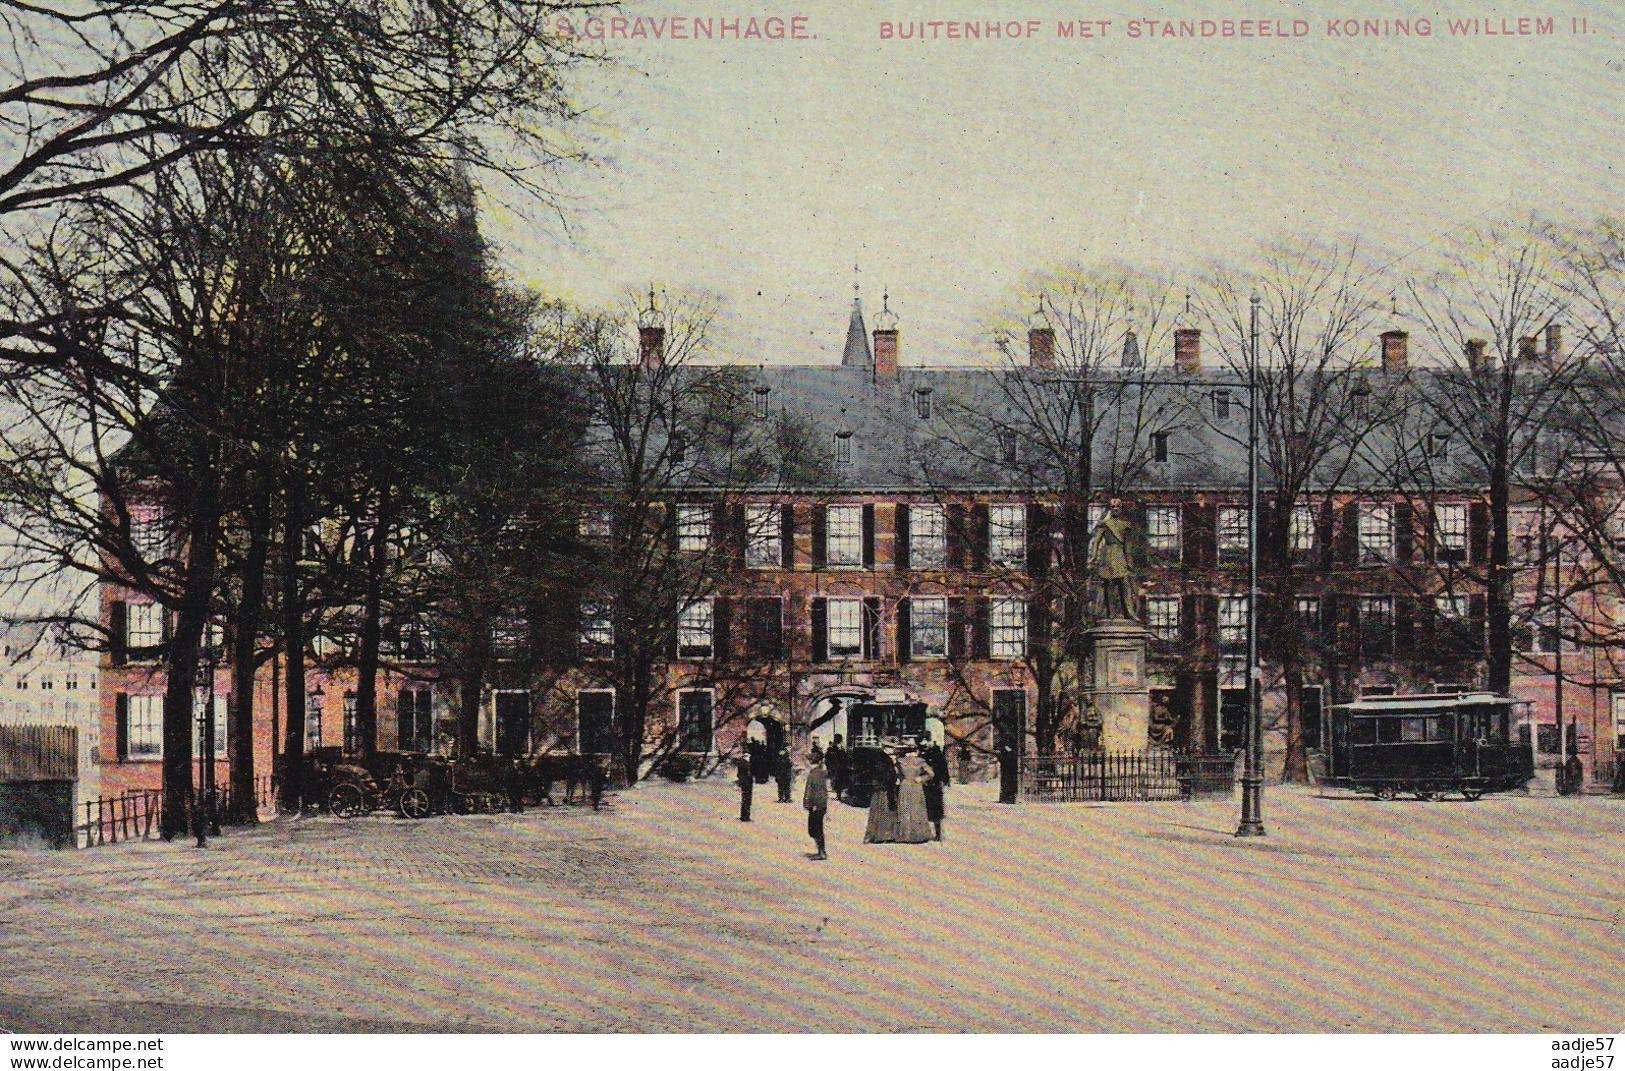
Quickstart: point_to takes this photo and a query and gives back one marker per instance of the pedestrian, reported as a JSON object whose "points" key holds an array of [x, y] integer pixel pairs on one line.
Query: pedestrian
{"points": [[515, 786], [815, 797], [882, 826], [783, 772], [964, 762], [743, 776], [815, 754], [835, 764], [935, 807], [913, 815], [1008, 773]]}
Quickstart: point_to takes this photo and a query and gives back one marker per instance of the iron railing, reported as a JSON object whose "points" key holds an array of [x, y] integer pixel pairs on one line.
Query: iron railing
{"points": [[132, 815], [1122, 776]]}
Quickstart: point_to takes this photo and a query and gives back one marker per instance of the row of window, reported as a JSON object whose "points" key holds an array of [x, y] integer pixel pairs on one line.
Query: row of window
{"points": [[926, 535], [842, 628]]}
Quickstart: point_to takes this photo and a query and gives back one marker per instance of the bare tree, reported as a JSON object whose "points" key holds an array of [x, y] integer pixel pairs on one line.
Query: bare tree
{"points": [[1491, 314], [1068, 429], [1318, 403], [669, 459]]}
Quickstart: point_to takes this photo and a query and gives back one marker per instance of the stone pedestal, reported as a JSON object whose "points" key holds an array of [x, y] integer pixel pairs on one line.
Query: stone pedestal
{"points": [[1117, 685]]}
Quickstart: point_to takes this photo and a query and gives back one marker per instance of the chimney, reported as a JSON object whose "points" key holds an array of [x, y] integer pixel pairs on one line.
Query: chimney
{"points": [[1394, 355], [1188, 349], [1526, 349], [885, 353], [1476, 359], [651, 335], [1554, 343], [651, 346], [885, 335], [1041, 347]]}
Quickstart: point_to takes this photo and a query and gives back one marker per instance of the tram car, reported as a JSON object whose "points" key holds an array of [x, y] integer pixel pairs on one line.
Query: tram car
{"points": [[1427, 745]]}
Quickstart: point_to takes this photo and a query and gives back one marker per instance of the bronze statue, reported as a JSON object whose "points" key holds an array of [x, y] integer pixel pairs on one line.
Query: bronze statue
{"points": [[1112, 567]]}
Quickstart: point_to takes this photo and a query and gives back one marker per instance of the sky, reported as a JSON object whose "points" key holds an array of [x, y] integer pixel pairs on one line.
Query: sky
{"points": [[950, 171]]}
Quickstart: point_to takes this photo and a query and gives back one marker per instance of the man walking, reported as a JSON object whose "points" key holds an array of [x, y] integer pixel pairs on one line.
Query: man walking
{"points": [[934, 788], [742, 775], [1009, 773], [783, 773], [835, 765], [816, 799]]}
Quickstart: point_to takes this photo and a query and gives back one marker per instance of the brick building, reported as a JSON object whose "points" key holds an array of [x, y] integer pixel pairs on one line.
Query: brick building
{"points": [[911, 572]]}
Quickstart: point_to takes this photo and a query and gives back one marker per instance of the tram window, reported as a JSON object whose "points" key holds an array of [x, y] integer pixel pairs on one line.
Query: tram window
{"points": [[1388, 730], [1443, 727], [1362, 730], [1413, 730]]}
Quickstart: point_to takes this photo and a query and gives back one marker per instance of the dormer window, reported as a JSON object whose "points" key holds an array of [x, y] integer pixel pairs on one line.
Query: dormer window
{"points": [[922, 403], [760, 403], [1439, 446], [1221, 405], [1007, 446], [843, 448], [1159, 446]]}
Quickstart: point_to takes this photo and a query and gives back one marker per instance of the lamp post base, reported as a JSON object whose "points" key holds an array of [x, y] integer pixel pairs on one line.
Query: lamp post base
{"points": [[1252, 809]]}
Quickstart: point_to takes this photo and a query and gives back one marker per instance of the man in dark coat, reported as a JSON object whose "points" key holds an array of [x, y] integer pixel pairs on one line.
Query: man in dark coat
{"points": [[1008, 773], [816, 799], [746, 783], [783, 773], [835, 763], [934, 802]]}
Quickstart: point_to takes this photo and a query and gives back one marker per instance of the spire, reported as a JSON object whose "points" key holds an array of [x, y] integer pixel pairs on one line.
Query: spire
{"points": [[857, 353]]}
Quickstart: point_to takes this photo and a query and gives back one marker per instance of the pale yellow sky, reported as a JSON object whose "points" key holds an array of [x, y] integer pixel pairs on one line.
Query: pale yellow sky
{"points": [[950, 169]]}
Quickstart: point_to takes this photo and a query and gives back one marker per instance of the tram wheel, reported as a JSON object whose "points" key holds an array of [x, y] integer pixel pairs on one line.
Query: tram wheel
{"points": [[414, 803], [1472, 795], [1386, 792], [1425, 794]]}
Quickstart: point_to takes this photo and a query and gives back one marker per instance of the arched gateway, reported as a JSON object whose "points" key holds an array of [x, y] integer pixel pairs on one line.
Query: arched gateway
{"points": [[869, 717]]}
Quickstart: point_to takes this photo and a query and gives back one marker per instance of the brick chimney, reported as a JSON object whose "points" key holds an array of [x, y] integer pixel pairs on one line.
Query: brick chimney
{"points": [[1477, 361], [885, 336], [1395, 355], [1554, 343], [1526, 349], [885, 353], [1188, 349], [651, 335], [1041, 347]]}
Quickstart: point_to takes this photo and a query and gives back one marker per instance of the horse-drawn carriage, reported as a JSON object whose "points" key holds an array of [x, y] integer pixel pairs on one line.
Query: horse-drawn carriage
{"points": [[416, 785]]}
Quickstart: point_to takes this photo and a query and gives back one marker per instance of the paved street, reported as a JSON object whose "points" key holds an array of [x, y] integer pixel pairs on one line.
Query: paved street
{"points": [[663, 912]]}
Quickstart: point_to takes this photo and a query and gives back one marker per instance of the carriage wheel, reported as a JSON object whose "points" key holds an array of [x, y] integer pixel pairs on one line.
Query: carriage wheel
{"points": [[414, 803], [1426, 794], [347, 800], [1472, 795], [1386, 792]]}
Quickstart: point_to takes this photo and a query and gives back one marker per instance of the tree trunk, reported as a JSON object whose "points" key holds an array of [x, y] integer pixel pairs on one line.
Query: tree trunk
{"points": [[366, 698], [468, 711], [181, 653], [293, 644], [1498, 586], [240, 739]]}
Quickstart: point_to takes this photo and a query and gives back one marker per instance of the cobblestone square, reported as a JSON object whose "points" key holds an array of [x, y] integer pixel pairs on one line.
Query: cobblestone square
{"points": [[663, 912]]}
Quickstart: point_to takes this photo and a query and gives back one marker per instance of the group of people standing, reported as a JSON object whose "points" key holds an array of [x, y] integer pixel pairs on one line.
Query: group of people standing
{"points": [[906, 800], [907, 806]]}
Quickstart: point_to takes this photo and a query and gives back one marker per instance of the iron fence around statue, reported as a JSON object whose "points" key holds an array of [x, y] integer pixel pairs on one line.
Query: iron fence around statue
{"points": [[1126, 776]]}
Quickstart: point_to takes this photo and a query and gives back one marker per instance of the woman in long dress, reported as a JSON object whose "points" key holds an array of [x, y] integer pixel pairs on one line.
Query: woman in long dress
{"points": [[913, 821], [882, 827]]}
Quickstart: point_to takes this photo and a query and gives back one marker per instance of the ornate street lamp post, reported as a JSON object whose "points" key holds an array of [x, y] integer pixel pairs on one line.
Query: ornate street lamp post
{"points": [[1252, 778]]}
